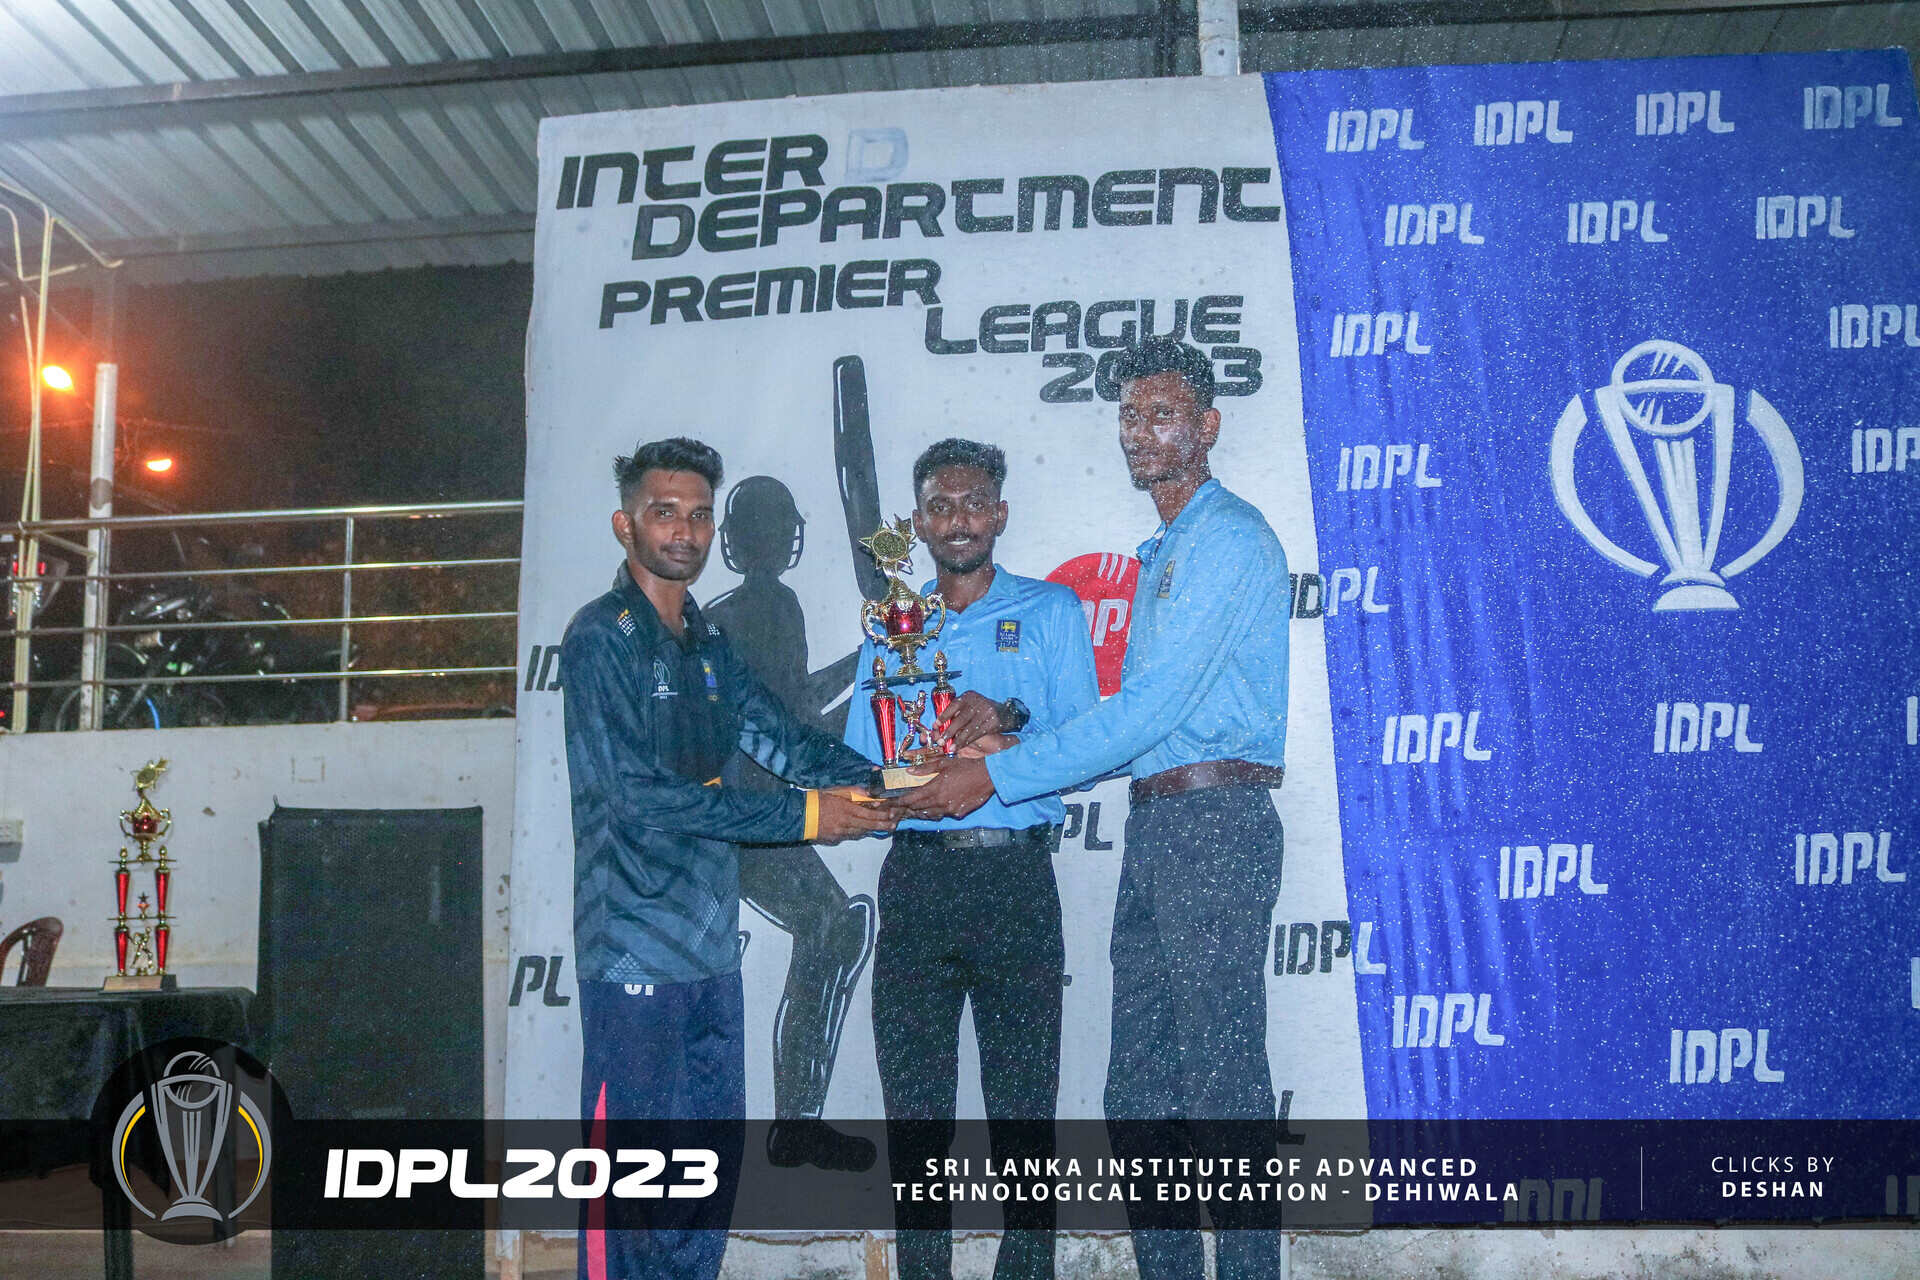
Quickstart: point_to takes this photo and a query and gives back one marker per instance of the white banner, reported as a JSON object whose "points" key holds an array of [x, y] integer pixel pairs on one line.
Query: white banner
{"points": [[960, 260]]}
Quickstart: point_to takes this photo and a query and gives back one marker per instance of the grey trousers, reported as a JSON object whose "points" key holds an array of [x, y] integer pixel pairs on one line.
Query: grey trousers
{"points": [[1198, 882]]}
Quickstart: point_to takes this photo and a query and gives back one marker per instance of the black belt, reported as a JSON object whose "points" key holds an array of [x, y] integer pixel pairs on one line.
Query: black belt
{"points": [[1208, 773], [977, 837]]}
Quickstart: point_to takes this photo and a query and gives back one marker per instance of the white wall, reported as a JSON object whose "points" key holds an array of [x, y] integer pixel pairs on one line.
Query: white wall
{"points": [[69, 788]]}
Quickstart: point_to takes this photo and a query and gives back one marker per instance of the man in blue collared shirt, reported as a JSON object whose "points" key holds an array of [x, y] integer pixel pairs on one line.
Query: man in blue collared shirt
{"points": [[1200, 721], [968, 906]]}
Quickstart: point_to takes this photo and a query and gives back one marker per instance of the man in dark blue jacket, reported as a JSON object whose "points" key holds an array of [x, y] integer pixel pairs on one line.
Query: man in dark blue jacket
{"points": [[655, 702]]}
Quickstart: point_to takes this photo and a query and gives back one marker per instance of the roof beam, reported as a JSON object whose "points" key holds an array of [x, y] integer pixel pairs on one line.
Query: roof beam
{"points": [[1346, 15], [23, 110], [24, 114], [337, 234]]}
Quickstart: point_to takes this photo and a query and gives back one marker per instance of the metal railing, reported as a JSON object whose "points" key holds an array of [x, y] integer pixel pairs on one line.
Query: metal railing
{"points": [[359, 572]]}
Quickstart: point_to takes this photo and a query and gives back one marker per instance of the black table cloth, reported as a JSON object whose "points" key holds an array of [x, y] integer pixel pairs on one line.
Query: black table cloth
{"points": [[58, 1045]]}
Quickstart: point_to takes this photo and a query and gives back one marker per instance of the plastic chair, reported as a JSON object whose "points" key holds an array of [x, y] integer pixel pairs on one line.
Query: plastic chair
{"points": [[37, 939]]}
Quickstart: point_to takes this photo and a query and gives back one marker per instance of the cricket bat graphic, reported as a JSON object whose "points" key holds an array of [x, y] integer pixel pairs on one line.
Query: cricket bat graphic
{"points": [[859, 480]]}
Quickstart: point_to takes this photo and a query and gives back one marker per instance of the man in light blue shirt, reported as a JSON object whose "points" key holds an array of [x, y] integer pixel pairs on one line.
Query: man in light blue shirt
{"points": [[1200, 722], [969, 909]]}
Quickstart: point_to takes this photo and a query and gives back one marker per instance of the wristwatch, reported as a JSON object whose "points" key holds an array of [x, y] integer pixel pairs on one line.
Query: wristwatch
{"points": [[1014, 715]]}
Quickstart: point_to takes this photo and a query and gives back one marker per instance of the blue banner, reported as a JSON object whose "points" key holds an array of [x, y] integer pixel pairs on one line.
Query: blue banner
{"points": [[1612, 393]]}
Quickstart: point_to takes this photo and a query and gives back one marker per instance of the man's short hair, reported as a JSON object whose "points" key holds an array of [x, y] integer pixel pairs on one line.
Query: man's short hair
{"points": [[677, 453], [953, 452], [1164, 355]]}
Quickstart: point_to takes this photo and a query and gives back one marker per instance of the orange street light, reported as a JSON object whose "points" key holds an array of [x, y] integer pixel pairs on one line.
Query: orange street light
{"points": [[56, 377], [159, 465]]}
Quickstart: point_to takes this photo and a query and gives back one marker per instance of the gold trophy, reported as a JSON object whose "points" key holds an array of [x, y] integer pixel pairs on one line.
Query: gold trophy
{"points": [[899, 621], [140, 941]]}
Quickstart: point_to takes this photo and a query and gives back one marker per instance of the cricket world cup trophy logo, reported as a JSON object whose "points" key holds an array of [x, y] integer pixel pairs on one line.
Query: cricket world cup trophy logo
{"points": [[1663, 407], [212, 1140]]}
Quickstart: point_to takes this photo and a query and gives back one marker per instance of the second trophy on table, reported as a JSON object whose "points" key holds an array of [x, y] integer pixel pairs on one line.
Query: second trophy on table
{"points": [[905, 622]]}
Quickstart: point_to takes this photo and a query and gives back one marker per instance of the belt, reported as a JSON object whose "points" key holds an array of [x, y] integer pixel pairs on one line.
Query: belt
{"points": [[977, 837], [1208, 773]]}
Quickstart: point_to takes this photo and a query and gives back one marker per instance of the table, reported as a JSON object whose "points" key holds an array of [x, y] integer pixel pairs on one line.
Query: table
{"points": [[58, 1046]]}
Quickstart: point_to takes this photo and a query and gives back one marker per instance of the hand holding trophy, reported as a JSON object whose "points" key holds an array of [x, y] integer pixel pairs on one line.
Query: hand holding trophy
{"points": [[899, 622]]}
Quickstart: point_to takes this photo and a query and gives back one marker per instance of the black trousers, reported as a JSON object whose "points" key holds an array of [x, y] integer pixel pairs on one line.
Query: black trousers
{"points": [[960, 924]]}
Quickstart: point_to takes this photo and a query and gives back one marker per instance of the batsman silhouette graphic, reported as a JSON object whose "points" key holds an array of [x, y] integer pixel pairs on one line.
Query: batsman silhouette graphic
{"points": [[762, 536]]}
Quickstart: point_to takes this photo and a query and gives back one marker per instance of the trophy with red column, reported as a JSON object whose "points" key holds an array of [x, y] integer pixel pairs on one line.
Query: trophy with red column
{"points": [[905, 622], [140, 940]]}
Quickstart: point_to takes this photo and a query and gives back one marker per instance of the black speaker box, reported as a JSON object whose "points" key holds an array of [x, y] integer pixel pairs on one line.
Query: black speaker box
{"points": [[370, 998]]}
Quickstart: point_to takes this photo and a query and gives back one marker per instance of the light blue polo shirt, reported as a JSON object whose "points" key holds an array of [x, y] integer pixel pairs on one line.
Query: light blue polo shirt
{"points": [[1206, 670], [1024, 639]]}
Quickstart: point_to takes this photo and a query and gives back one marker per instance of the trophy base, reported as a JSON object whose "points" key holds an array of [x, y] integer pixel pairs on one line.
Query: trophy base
{"points": [[1695, 595], [141, 982], [896, 780], [905, 680]]}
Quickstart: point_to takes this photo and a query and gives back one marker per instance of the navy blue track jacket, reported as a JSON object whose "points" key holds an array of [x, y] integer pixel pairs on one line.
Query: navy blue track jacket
{"points": [[650, 719]]}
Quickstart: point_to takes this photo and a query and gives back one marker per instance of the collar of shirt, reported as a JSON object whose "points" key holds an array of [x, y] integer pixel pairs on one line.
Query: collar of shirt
{"points": [[994, 591], [1202, 498], [637, 601]]}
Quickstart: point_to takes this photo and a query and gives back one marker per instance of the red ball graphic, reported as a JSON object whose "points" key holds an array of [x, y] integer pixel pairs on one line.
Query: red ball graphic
{"points": [[1104, 581]]}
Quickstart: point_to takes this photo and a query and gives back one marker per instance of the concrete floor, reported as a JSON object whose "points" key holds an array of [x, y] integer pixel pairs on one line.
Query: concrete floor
{"points": [[1837, 1254], [78, 1255]]}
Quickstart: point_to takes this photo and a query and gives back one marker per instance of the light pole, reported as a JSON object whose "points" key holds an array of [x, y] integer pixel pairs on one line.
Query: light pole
{"points": [[93, 610], [24, 589], [36, 285]]}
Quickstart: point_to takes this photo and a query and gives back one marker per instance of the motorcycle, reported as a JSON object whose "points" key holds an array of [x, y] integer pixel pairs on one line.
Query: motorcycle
{"points": [[165, 648]]}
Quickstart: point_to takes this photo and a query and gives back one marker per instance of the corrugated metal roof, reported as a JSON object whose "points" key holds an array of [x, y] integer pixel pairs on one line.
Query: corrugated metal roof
{"points": [[284, 150]]}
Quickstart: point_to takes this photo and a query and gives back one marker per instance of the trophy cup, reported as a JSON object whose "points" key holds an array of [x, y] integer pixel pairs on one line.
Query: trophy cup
{"points": [[140, 941], [1663, 401], [900, 621]]}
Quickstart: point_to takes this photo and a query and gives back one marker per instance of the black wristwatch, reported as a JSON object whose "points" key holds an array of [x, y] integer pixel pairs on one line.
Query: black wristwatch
{"points": [[1014, 715]]}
